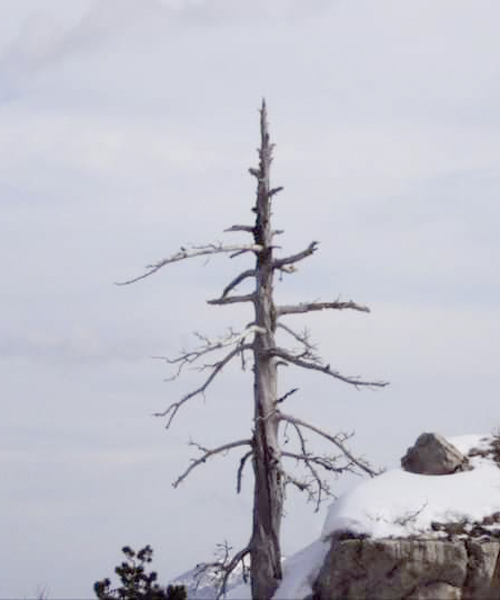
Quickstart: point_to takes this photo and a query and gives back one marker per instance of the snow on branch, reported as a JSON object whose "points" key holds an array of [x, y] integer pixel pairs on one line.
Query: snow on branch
{"points": [[216, 368], [309, 361], [279, 263], [337, 440], [305, 307], [193, 252], [206, 454]]}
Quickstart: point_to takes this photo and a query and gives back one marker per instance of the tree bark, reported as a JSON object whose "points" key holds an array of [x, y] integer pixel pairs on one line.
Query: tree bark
{"points": [[269, 485]]}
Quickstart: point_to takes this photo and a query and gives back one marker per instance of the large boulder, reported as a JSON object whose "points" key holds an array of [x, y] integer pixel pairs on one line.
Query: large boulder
{"points": [[397, 569], [432, 454]]}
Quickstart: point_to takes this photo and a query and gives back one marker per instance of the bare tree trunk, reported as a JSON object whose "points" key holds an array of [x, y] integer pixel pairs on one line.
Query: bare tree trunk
{"points": [[270, 474], [269, 486]]}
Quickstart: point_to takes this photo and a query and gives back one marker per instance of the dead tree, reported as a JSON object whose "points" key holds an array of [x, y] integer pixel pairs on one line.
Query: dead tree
{"points": [[259, 340]]}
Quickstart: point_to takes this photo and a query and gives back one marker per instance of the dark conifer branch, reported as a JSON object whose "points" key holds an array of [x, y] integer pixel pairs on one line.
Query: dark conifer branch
{"points": [[304, 307]]}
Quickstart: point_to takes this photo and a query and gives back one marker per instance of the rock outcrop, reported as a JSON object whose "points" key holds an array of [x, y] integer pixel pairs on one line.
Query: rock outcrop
{"points": [[366, 569], [446, 549]]}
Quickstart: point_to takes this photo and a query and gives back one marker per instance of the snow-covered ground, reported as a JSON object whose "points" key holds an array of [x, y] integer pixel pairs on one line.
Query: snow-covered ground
{"points": [[398, 504]]}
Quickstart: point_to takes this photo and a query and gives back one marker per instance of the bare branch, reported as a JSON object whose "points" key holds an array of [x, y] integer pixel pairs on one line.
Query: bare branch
{"points": [[237, 558], [275, 191], [206, 454], [305, 307], [281, 262], [322, 461], [285, 396], [239, 476], [334, 439], [218, 572], [247, 228], [238, 253], [195, 251], [316, 365], [302, 486], [171, 411], [237, 280], [303, 337], [191, 356], [232, 299], [321, 485]]}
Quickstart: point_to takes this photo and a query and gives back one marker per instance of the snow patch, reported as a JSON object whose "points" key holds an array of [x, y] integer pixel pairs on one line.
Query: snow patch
{"points": [[401, 504]]}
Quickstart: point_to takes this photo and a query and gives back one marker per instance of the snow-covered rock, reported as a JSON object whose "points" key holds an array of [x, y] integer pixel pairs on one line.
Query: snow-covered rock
{"points": [[413, 536]]}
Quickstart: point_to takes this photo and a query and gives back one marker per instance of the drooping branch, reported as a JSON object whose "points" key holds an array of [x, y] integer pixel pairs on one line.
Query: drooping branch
{"points": [[217, 367], [237, 280], [193, 252], [305, 307], [310, 461], [279, 263], [336, 440], [206, 454], [239, 475], [317, 365]]}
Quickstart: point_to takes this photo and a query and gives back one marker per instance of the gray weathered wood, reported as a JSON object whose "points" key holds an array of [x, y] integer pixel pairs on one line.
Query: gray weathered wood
{"points": [[265, 567]]}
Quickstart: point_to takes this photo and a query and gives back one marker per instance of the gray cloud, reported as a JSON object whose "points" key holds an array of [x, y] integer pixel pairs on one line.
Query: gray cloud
{"points": [[128, 131]]}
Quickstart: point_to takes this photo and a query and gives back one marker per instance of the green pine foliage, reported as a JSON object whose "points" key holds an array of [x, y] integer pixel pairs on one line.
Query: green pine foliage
{"points": [[136, 583]]}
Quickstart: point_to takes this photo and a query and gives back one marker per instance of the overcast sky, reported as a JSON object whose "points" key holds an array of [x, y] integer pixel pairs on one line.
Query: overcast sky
{"points": [[127, 128]]}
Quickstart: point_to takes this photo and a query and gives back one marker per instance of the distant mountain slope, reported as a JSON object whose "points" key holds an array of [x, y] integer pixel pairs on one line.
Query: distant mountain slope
{"points": [[204, 586]]}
